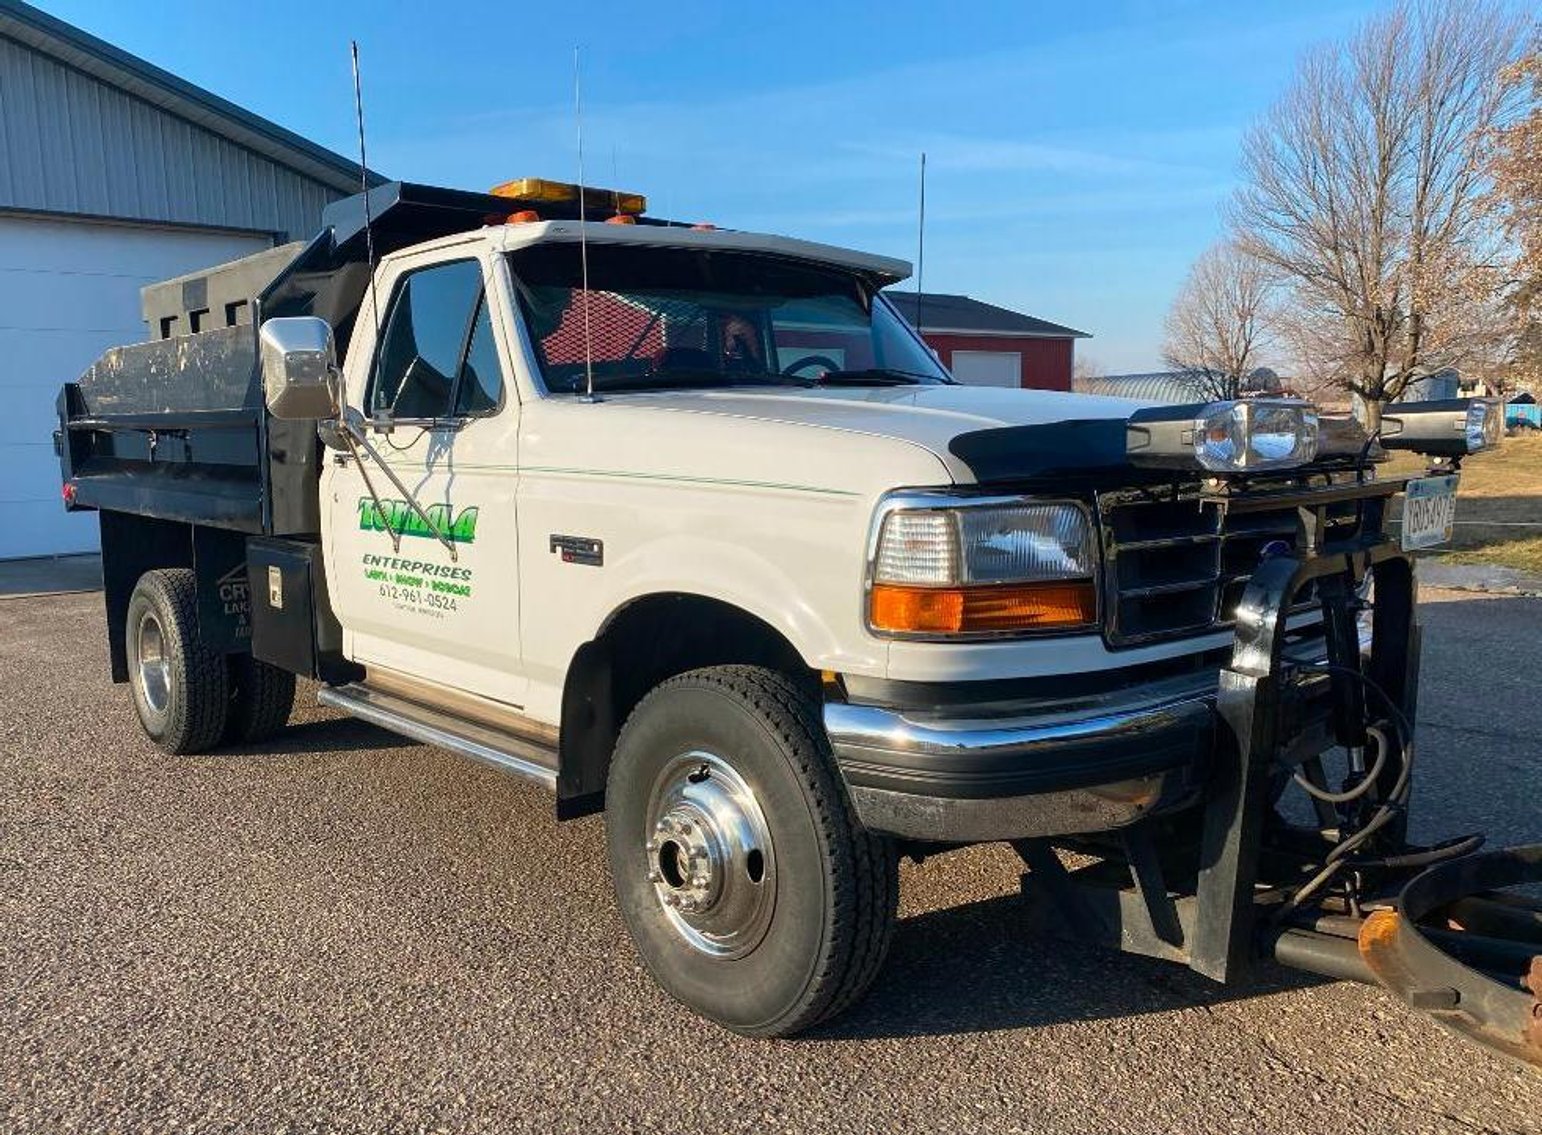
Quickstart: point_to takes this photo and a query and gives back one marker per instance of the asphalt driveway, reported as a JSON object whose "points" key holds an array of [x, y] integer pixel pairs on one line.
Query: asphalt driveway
{"points": [[344, 931]]}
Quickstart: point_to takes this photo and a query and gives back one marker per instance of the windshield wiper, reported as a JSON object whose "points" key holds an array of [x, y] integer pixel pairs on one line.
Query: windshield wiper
{"points": [[683, 378], [873, 376], [706, 378]]}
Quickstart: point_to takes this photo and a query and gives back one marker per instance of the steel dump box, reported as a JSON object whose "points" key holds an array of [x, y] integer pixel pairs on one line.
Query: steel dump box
{"points": [[177, 430]]}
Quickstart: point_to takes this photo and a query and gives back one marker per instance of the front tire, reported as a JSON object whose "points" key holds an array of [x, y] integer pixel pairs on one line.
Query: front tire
{"points": [[180, 687], [750, 890]]}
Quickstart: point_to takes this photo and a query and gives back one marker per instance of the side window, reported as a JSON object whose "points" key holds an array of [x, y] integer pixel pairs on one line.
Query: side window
{"points": [[481, 375], [425, 341]]}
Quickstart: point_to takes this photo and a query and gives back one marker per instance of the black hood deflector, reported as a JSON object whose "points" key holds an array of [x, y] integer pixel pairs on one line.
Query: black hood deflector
{"points": [[1025, 453]]}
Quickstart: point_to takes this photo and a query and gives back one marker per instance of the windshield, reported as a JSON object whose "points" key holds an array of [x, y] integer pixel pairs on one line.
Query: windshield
{"points": [[666, 318]]}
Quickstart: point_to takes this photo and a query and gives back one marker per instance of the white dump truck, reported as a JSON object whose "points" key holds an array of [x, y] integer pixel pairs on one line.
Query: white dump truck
{"points": [[689, 526]]}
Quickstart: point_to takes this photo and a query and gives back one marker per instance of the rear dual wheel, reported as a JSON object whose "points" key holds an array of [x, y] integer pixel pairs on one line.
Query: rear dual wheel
{"points": [[261, 698], [750, 890], [190, 698]]}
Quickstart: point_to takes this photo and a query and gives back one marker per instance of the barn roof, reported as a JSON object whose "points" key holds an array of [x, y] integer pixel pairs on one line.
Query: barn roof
{"points": [[942, 313], [1167, 386], [1174, 387], [117, 68]]}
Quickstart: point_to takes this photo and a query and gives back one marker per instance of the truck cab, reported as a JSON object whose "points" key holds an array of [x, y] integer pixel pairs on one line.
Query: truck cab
{"points": [[700, 453], [662, 435], [689, 526]]}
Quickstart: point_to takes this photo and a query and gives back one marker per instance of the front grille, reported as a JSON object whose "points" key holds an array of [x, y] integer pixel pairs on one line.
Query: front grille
{"points": [[1176, 562]]}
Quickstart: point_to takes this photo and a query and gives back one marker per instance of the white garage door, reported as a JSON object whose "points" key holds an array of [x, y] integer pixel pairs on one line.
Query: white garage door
{"points": [[68, 291], [988, 368]]}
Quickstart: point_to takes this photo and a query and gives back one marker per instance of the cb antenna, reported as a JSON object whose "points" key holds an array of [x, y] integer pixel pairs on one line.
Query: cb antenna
{"points": [[921, 248], [369, 227], [583, 227]]}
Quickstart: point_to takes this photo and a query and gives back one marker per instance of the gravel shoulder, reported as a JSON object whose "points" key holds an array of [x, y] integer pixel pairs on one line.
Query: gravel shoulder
{"points": [[342, 931]]}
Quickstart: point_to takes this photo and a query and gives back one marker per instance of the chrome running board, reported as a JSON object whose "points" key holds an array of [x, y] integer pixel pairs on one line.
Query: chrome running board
{"points": [[520, 756]]}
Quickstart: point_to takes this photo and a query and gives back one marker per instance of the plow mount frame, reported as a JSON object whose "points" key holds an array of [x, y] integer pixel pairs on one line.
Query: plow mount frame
{"points": [[1427, 924]]}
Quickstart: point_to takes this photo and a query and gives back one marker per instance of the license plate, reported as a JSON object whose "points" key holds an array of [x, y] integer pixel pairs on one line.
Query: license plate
{"points": [[1429, 512]]}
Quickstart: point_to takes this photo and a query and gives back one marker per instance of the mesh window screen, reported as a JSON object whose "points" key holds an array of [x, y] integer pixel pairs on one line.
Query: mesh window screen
{"points": [[635, 334], [680, 318]]}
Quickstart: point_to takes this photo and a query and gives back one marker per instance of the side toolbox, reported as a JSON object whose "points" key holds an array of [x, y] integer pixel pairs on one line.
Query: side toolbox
{"points": [[292, 622]]}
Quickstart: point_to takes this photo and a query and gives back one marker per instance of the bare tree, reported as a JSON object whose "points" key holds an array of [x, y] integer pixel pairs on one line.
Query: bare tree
{"points": [[1515, 164], [1360, 190], [1220, 321], [1086, 367]]}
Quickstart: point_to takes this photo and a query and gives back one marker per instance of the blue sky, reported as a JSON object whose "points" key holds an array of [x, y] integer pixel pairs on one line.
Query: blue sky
{"points": [[1077, 154]]}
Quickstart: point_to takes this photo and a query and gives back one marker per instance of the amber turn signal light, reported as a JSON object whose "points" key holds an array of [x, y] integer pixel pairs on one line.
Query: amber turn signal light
{"points": [[982, 609]]}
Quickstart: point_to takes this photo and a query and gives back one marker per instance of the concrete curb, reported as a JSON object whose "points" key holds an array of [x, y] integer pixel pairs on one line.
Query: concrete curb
{"points": [[1475, 577], [50, 575]]}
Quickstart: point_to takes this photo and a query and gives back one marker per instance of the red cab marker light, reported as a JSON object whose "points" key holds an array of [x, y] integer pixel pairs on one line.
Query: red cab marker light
{"points": [[68, 492], [621, 219], [523, 217]]}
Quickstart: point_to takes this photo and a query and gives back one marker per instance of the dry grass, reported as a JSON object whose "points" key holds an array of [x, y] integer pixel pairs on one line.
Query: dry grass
{"points": [[1499, 505], [1523, 554]]}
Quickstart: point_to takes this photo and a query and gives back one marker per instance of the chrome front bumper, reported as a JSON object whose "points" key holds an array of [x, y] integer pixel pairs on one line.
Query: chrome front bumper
{"points": [[950, 778]]}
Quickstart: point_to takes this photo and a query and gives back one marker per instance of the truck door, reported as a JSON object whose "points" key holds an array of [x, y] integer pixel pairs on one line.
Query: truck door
{"points": [[440, 607]]}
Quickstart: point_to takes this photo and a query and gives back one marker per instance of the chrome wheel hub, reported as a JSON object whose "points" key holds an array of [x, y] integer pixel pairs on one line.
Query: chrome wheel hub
{"points": [[709, 855], [154, 666]]}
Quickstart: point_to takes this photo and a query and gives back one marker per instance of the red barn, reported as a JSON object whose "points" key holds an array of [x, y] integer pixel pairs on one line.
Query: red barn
{"points": [[986, 345]]}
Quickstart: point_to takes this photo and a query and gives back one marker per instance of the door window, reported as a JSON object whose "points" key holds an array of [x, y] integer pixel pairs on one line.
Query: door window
{"points": [[437, 358], [481, 375]]}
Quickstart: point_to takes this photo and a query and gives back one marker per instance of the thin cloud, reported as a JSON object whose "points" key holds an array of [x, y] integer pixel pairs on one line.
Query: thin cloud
{"points": [[1005, 155], [1080, 211], [1029, 208]]}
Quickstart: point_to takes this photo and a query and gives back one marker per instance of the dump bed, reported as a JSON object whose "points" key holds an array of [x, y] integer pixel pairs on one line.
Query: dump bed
{"points": [[176, 429]]}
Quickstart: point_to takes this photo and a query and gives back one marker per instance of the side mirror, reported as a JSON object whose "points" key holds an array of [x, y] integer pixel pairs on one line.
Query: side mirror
{"points": [[336, 432], [331, 435], [299, 360]]}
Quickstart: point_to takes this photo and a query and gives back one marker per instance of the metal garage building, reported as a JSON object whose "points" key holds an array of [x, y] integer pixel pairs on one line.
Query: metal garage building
{"points": [[114, 174]]}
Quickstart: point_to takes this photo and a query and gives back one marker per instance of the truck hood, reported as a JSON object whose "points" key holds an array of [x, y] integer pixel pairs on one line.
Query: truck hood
{"points": [[913, 413], [928, 416]]}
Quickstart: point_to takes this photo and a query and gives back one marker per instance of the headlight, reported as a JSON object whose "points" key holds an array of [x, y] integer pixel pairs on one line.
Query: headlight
{"points": [[1242, 436], [1451, 428], [1224, 437], [1484, 426], [981, 568]]}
